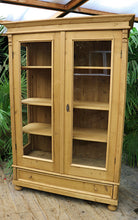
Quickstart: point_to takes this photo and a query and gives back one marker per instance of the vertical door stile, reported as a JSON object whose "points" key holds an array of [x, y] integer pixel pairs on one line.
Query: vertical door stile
{"points": [[68, 101], [62, 99], [56, 102], [41, 124]]}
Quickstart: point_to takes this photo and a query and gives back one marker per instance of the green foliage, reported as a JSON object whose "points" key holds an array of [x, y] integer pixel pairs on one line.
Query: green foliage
{"points": [[5, 134], [130, 146], [5, 122]]}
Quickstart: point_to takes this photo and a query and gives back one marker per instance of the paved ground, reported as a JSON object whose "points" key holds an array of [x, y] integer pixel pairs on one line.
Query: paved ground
{"points": [[36, 205]]}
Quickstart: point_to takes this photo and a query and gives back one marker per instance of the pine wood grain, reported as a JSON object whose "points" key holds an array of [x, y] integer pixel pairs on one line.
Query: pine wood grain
{"points": [[38, 128], [41, 154], [90, 134], [35, 67], [92, 67], [91, 105], [37, 101]]}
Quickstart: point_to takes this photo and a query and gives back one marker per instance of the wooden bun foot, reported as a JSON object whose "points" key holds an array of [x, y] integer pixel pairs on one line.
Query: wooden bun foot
{"points": [[18, 188], [112, 207]]}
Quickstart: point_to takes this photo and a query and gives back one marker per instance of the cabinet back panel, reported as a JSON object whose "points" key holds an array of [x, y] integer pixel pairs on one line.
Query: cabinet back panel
{"points": [[39, 54], [40, 114], [89, 153], [40, 81], [83, 118], [40, 146], [87, 88], [41, 143]]}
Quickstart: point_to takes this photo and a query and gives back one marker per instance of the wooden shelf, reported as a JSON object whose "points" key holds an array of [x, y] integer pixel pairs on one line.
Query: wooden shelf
{"points": [[37, 101], [40, 154], [90, 134], [38, 129], [85, 161], [91, 105], [93, 67], [35, 67]]}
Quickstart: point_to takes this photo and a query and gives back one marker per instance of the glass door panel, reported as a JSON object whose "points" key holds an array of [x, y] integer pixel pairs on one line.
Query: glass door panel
{"points": [[36, 70], [89, 69]]}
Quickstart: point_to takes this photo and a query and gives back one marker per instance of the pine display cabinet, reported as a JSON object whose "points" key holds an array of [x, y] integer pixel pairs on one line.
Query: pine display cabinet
{"points": [[67, 92]]}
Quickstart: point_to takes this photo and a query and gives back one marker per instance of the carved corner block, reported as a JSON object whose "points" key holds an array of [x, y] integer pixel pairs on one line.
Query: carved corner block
{"points": [[125, 36]]}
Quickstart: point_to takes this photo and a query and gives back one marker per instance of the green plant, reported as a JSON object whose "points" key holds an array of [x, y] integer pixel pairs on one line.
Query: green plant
{"points": [[5, 137], [5, 122], [130, 146]]}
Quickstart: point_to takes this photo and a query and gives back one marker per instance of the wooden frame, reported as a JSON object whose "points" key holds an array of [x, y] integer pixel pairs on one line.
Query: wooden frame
{"points": [[82, 122]]}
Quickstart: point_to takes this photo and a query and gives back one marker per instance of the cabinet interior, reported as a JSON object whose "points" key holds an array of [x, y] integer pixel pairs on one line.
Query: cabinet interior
{"points": [[89, 153], [91, 83], [36, 65]]}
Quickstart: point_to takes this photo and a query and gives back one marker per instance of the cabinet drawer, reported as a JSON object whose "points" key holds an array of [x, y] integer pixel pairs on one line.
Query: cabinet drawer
{"points": [[65, 183]]}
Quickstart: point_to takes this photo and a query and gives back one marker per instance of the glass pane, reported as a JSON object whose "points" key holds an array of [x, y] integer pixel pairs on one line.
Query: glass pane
{"points": [[89, 153], [92, 119], [91, 88], [36, 54], [39, 146], [92, 53], [36, 99], [92, 66], [91, 72]]}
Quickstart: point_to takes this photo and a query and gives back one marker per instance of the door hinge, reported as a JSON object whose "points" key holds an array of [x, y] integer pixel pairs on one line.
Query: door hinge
{"points": [[115, 160], [121, 54], [15, 146], [12, 54]]}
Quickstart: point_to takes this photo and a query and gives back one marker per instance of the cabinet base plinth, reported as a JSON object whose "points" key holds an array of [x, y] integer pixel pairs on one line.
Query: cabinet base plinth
{"points": [[18, 188], [112, 207]]}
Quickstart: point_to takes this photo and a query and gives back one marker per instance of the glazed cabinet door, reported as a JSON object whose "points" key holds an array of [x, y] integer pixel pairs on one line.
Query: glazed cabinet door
{"points": [[91, 103], [36, 73]]}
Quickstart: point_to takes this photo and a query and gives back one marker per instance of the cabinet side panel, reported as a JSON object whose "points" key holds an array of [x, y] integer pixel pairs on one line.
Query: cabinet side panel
{"points": [[114, 102], [122, 99], [11, 71], [17, 98]]}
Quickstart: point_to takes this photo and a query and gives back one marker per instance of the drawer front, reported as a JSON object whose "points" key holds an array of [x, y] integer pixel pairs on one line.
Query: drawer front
{"points": [[65, 183]]}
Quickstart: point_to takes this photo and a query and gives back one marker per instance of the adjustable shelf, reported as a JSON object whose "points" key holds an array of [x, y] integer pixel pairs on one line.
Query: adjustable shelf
{"points": [[90, 134], [85, 161], [38, 129], [40, 154], [37, 101], [35, 67], [91, 71], [93, 67], [91, 105]]}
